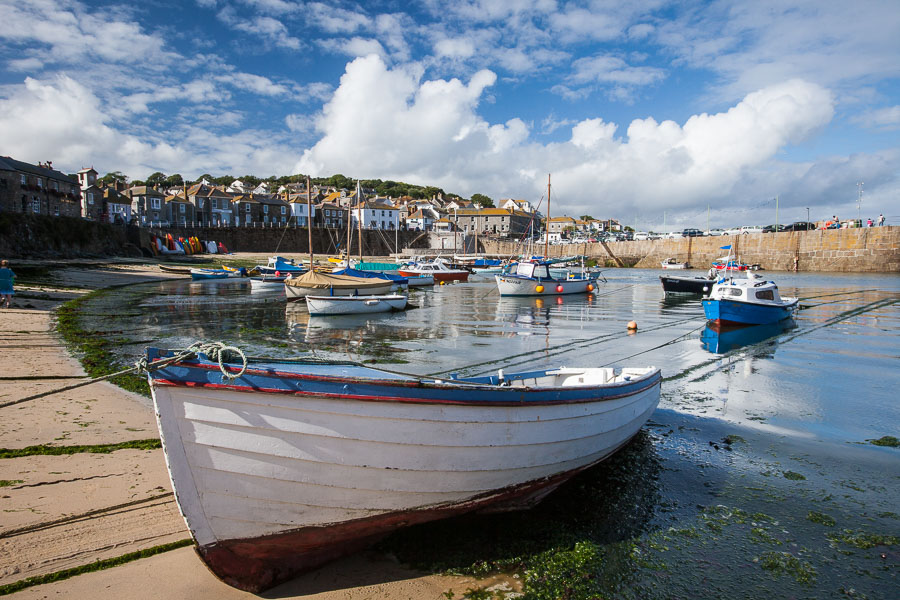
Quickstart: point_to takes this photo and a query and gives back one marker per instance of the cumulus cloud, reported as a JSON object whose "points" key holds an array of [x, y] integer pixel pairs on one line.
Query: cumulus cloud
{"points": [[430, 132]]}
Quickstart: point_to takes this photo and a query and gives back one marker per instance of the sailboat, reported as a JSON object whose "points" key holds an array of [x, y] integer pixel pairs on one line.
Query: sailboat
{"points": [[533, 277]]}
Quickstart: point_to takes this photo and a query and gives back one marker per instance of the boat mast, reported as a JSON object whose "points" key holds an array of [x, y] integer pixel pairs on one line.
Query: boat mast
{"points": [[349, 229], [547, 228], [358, 221], [309, 222]]}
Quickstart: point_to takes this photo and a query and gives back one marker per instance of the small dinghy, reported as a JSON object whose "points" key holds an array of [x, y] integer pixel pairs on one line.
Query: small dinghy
{"points": [[354, 305]]}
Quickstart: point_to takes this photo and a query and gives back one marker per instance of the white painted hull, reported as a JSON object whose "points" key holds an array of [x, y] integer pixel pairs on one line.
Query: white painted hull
{"points": [[247, 465], [295, 292], [353, 305], [509, 285]]}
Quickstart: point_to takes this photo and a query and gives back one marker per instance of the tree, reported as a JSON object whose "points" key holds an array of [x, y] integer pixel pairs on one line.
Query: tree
{"points": [[482, 201], [174, 180], [114, 176], [587, 218], [156, 179]]}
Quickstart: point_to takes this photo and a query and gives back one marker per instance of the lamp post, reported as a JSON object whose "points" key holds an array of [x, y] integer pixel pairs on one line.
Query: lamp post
{"points": [[807, 216], [859, 185]]}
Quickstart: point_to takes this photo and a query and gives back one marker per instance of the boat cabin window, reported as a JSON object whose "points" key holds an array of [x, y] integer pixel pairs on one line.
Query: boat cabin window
{"points": [[734, 291], [765, 295], [532, 270]]}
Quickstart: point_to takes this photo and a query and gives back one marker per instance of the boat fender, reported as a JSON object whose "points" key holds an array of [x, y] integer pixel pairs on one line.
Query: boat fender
{"points": [[539, 289], [559, 288]]}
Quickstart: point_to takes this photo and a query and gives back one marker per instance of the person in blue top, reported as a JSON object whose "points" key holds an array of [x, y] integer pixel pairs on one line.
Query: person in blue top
{"points": [[6, 283]]}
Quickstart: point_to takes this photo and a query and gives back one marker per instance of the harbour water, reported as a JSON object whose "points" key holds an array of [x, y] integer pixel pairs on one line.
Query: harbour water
{"points": [[756, 476]]}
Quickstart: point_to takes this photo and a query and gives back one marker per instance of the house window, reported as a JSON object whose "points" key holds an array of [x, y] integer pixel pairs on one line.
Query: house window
{"points": [[199, 202], [154, 203], [56, 210], [247, 206], [40, 183], [90, 198], [54, 186], [181, 208], [283, 219], [35, 206], [24, 179], [215, 203], [265, 209], [283, 210]]}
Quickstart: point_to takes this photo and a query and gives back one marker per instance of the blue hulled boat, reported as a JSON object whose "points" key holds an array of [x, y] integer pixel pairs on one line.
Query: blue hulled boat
{"points": [[750, 301]]}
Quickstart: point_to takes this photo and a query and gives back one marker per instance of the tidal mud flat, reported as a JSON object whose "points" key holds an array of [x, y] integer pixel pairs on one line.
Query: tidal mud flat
{"points": [[758, 472]]}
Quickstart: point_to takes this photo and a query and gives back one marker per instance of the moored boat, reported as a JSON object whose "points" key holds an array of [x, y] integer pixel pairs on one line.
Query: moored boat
{"points": [[282, 266], [681, 284], [747, 301], [279, 467], [326, 284], [354, 305], [210, 274], [672, 263], [268, 282], [437, 268], [533, 278]]}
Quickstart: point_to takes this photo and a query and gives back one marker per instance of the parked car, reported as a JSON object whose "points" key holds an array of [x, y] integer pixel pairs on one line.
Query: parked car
{"points": [[800, 226], [673, 235], [690, 232], [742, 230], [772, 228], [641, 235], [714, 232]]}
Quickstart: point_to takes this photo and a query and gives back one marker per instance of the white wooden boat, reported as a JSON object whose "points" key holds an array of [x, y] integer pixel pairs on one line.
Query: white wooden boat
{"points": [[268, 282], [353, 305], [288, 465], [421, 280], [671, 263], [532, 278], [326, 284]]}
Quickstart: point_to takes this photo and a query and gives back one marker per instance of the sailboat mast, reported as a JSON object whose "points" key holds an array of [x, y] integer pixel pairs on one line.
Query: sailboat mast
{"points": [[349, 229], [309, 222], [547, 228], [358, 221]]}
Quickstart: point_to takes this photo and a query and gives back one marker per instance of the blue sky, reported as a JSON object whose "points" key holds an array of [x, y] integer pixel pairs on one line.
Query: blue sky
{"points": [[647, 111]]}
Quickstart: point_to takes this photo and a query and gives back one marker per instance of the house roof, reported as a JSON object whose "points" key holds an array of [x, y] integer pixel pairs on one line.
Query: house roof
{"points": [[11, 164]]}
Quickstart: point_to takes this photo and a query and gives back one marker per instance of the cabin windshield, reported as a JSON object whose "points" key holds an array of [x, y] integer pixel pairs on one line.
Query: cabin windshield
{"points": [[765, 295]]}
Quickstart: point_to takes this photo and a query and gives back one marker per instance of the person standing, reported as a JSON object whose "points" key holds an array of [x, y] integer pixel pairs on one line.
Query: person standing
{"points": [[881, 220], [6, 284]]}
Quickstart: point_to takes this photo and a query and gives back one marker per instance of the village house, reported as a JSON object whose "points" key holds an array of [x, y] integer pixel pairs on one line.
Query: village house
{"points": [[375, 215], [299, 209], [330, 216], [490, 221], [275, 211], [37, 189], [116, 205], [179, 211], [420, 221], [520, 205], [212, 205], [147, 204], [560, 225]]}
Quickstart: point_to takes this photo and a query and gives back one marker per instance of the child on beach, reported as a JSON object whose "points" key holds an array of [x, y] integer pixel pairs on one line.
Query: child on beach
{"points": [[6, 283]]}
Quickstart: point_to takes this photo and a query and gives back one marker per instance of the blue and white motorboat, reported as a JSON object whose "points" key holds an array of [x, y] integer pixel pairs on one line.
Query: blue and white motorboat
{"points": [[720, 339], [534, 279], [749, 301], [281, 266], [209, 274]]}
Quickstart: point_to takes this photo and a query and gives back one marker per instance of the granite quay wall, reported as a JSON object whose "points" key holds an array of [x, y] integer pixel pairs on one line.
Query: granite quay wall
{"points": [[41, 236], [860, 250], [291, 239]]}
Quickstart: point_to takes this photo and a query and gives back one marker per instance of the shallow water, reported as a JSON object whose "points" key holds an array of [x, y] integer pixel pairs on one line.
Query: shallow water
{"points": [[801, 403]]}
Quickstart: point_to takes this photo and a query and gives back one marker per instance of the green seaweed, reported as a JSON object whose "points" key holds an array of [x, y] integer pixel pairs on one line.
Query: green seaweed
{"points": [[793, 476], [887, 440], [821, 518], [10, 482], [862, 539], [784, 563], [49, 450], [99, 565]]}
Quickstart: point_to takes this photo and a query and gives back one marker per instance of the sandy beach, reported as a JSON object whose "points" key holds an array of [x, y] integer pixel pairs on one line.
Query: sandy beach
{"points": [[61, 512]]}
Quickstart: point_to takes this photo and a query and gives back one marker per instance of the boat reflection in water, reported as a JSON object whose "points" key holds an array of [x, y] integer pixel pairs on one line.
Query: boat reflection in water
{"points": [[721, 339]]}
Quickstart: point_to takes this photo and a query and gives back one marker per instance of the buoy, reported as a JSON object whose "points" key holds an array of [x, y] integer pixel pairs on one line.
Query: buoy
{"points": [[277, 273], [632, 326], [443, 282], [559, 288], [590, 287], [539, 289]]}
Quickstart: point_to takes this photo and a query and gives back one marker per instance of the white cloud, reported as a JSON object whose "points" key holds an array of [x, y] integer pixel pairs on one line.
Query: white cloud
{"points": [[460, 47], [887, 118]]}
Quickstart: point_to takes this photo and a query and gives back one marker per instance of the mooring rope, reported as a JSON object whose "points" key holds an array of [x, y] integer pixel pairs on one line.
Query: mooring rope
{"points": [[216, 351]]}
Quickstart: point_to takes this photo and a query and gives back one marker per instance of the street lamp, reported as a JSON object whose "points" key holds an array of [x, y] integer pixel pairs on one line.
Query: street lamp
{"points": [[807, 216]]}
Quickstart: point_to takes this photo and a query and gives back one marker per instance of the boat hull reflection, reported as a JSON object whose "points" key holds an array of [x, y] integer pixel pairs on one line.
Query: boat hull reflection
{"points": [[720, 339]]}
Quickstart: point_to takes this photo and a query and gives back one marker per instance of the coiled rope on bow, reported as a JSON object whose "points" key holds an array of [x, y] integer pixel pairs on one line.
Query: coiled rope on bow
{"points": [[216, 351]]}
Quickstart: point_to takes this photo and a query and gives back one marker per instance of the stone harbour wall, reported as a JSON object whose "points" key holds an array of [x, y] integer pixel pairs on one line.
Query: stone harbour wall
{"points": [[859, 250]]}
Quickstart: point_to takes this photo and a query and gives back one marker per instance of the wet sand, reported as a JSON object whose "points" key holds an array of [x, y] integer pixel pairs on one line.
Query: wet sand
{"points": [[61, 512]]}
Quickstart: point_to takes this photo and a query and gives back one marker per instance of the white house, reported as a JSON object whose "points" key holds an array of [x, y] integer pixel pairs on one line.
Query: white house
{"points": [[375, 215], [299, 210]]}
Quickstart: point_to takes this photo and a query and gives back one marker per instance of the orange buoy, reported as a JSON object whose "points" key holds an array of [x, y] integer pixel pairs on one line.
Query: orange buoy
{"points": [[539, 289], [590, 287], [632, 326]]}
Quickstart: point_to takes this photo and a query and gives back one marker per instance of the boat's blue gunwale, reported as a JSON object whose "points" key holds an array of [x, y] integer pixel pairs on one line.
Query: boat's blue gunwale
{"points": [[745, 312], [207, 375]]}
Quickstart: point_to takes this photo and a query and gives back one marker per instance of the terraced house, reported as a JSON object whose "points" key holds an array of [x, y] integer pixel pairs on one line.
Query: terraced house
{"points": [[38, 189], [212, 206], [490, 221]]}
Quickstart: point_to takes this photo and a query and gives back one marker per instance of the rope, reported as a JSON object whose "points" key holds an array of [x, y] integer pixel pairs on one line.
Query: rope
{"points": [[216, 351]]}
